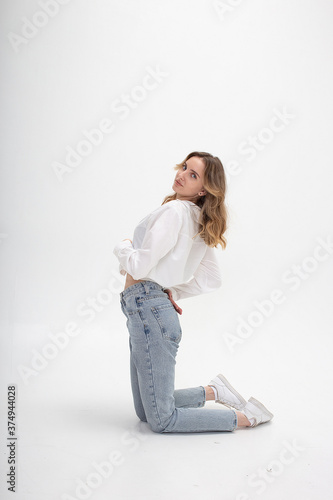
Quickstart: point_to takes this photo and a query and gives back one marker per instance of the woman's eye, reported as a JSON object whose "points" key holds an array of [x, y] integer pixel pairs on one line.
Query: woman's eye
{"points": [[185, 166]]}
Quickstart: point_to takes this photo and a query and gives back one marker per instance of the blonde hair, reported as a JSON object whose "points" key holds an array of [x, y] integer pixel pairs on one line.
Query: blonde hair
{"points": [[213, 215]]}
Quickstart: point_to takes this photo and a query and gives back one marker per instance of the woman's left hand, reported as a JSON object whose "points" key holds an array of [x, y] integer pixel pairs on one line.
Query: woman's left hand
{"points": [[178, 309]]}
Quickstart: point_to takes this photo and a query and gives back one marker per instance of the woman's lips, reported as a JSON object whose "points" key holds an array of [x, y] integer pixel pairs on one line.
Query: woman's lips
{"points": [[178, 183]]}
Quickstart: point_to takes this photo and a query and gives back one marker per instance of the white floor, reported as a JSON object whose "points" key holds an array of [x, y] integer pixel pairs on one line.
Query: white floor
{"points": [[76, 414]]}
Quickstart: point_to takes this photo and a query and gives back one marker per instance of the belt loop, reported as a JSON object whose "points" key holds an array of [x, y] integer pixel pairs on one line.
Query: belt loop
{"points": [[145, 284]]}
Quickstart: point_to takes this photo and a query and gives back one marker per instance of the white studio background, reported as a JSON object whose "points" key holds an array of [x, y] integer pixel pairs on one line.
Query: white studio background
{"points": [[99, 100]]}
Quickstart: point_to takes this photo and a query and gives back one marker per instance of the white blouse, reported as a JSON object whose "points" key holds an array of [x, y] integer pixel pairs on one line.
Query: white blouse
{"points": [[163, 251]]}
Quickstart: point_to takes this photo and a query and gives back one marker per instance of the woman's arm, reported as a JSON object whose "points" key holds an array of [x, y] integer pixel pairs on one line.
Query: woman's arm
{"points": [[160, 237], [207, 278]]}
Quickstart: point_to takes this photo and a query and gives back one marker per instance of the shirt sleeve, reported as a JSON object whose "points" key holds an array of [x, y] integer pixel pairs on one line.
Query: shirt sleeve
{"points": [[207, 278], [160, 237]]}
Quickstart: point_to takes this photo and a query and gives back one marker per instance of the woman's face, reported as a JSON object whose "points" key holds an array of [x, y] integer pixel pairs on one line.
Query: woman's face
{"points": [[188, 182]]}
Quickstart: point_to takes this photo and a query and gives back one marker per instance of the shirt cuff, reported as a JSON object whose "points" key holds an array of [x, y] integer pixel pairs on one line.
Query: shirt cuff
{"points": [[120, 246]]}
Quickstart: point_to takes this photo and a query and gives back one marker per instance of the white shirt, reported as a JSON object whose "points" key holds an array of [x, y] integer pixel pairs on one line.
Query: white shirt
{"points": [[163, 251]]}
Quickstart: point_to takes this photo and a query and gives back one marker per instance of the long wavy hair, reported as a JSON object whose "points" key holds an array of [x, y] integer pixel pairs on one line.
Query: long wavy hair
{"points": [[213, 214]]}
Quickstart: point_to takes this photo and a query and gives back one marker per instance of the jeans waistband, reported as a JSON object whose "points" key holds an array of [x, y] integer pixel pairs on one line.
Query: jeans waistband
{"points": [[143, 287]]}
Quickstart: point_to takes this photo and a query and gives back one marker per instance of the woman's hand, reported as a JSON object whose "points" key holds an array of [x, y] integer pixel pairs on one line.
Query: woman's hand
{"points": [[178, 309]]}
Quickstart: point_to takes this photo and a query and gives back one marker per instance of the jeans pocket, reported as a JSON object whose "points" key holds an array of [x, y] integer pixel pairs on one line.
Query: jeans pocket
{"points": [[168, 321]]}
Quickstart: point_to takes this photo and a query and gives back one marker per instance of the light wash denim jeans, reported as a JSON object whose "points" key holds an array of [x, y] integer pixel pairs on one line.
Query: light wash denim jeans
{"points": [[154, 337]]}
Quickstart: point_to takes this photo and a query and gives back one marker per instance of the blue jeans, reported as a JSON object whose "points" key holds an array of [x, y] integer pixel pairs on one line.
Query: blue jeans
{"points": [[154, 337]]}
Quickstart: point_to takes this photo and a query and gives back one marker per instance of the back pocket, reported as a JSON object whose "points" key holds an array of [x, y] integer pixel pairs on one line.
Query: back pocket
{"points": [[168, 321]]}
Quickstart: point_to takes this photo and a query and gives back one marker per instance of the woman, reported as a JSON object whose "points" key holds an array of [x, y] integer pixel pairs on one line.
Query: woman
{"points": [[172, 257]]}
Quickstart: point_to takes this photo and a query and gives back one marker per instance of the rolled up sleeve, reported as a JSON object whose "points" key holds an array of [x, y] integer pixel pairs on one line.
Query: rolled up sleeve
{"points": [[160, 237]]}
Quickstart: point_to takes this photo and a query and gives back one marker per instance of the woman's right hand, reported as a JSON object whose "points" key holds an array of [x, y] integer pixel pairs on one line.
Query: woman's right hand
{"points": [[178, 309]]}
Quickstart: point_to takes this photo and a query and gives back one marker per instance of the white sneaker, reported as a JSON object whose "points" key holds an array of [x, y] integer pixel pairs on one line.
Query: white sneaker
{"points": [[256, 412], [226, 394]]}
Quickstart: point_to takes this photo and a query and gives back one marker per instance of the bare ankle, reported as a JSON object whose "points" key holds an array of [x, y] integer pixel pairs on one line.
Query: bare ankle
{"points": [[242, 420], [209, 393]]}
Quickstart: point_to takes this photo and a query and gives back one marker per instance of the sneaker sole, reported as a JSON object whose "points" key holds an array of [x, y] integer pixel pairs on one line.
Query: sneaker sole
{"points": [[231, 389], [263, 408]]}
